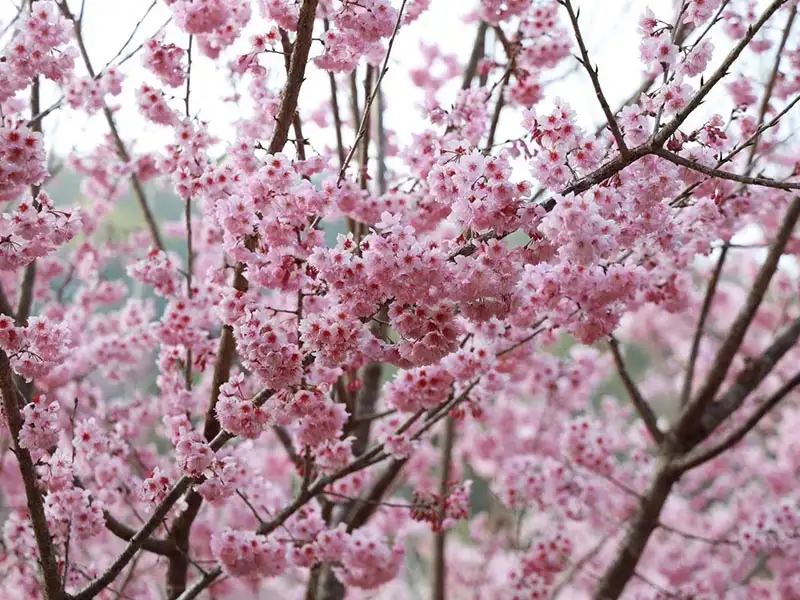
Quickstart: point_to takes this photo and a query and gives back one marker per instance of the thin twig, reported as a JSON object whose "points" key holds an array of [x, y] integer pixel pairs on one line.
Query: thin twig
{"points": [[669, 128], [337, 117], [719, 174], [738, 329], [640, 404], [699, 331], [122, 151], [371, 99], [773, 78], [593, 75]]}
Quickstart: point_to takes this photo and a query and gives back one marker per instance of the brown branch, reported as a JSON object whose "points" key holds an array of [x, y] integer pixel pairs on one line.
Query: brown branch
{"points": [[478, 49], [98, 584], [500, 103], [367, 459], [703, 455], [155, 520], [337, 116], [224, 360], [155, 545], [29, 275], [687, 433], [688, 380], [593, 75], [286, 441], [733, 341], [48, 562], [364, 508], [578, 566], [188, 76], [642, 406], [748, 380], [5, 305], [739, 148], [646, 520], [618, 163], [439, 583], [380, 143], [297, 125], [719, 174]]}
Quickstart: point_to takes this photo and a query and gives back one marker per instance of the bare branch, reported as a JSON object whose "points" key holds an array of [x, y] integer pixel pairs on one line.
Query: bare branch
{"points": [[703, 455], [593, 75], [642, 525], [44, 542], [501, 98], [337, 116], [748, 380], [719, 174], [688, 381], [122, 151], [642, 406], [773, 78], [478, 49], [440, 539]]}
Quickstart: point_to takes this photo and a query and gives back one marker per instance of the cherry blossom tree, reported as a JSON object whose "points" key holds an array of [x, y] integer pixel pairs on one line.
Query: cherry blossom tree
{"points": [[557, 364]]}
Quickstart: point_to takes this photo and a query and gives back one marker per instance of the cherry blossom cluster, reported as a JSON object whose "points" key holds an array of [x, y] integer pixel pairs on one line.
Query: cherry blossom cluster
{"points": [[165, 61], [360, 26], [38, 48], [90, 93], [22, 160]]}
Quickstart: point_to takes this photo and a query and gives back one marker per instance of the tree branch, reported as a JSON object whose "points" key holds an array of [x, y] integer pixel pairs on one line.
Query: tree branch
{"points": [[161, 511], [478, 49], [501, 98], [616, 577], [122, 151], [336, 113], [368, 101], [642, 406], [748, 380], [773, 78], [44, 542], [702, 455], [593, 75], [440, 538], [688, 380], [669, 128]]}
